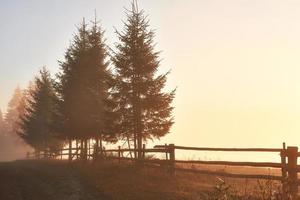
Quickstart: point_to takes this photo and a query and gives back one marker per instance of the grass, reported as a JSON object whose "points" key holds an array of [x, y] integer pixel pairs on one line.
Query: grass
{"points": [[126, 181]]}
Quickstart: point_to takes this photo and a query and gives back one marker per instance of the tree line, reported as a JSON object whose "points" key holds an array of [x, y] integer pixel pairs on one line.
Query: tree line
{"points": [[100, 93], [11, 145]]}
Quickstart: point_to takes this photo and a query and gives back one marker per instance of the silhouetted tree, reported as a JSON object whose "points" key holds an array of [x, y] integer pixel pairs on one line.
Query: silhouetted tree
{"points": [[11, 145], [100, 83], [144, 109], [72, 90], [12, 116], [84, 81], [38, 115], [23, 103], [1, 123]]}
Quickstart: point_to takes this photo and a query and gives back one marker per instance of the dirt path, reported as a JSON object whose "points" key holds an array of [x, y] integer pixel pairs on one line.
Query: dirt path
{"points": [[29, 180]]}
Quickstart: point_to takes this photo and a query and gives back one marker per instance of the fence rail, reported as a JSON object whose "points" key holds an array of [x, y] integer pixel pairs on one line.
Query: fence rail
{"points": [[224, 149], [288, 165]]}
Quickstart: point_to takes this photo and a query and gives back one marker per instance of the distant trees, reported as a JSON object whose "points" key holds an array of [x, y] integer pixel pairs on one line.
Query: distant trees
{"points": [[1, 123], [12, 116], [144, 109], [11, 146], [91, 100], [39, 109]]}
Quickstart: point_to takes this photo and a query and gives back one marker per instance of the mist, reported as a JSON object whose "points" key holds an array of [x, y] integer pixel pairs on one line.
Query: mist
{"points": [[12, 149]]}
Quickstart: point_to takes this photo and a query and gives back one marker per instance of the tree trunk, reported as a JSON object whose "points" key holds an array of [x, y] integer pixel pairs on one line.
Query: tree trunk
{"points": [[135, 145], [89, 149], [70, 150], [140, 146], [81, 149], [85, 149], [138, 125], [139, 132], [128, 142], [76, 149], [101, 146], [96, 150]]}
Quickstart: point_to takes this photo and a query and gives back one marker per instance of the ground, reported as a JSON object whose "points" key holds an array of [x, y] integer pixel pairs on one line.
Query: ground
{"points": [[104, 180], [23, 180]]}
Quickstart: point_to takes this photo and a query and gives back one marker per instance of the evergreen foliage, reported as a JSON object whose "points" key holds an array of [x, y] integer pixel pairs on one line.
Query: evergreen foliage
{"points": [[84, 82], [90, 100], [12, 116], [1, 123], [38, 115], [144, 109]]}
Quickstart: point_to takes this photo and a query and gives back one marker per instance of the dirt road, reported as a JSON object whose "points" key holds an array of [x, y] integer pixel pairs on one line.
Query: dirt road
{"points": [[30, 180]]}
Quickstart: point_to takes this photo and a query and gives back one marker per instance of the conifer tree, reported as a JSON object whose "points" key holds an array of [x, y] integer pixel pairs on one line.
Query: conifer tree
{"points": [[101, 82], [23, 104], [12, 116], [71, 89], [1, 123], [83, 87], [144, 109], [38, 115]]}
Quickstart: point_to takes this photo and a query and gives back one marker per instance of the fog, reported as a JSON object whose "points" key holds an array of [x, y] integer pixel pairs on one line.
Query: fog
{"points": [[12, 148]]}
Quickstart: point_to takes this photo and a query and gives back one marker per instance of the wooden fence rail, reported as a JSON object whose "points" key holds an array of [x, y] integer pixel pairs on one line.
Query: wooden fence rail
{"points": [[288, 165], [223, 149]]}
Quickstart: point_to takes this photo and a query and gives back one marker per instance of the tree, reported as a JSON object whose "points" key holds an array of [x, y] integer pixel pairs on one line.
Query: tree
{"points": [[38, 115], [1, 123], [84, 82], [144, 109], [100, 83], [12, 117], [12, 145]]}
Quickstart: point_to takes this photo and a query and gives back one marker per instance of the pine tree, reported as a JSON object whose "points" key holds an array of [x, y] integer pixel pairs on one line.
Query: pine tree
{"points": [[100, 84], [23, 103], [12, 116], [38, 115], [83, 87], [74, 123], [1, 123], [144, 109]]}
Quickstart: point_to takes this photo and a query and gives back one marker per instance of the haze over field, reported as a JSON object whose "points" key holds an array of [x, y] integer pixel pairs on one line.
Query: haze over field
{"points": [[236, 63]]}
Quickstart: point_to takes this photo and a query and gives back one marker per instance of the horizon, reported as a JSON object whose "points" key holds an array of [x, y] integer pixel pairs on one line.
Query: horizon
{"points": [[235, 63]]}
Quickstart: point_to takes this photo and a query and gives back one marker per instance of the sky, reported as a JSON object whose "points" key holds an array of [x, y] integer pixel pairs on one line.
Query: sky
{"points": [[235, 63]]}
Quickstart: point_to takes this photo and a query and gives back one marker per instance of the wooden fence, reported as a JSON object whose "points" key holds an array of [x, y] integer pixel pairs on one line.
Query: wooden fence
{"points": [[288, 165]]}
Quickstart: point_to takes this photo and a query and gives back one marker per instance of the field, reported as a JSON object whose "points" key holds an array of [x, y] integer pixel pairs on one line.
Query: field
{"points": [[47, 180]]}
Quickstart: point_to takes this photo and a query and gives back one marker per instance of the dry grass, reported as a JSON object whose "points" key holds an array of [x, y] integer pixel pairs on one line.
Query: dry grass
{"points": [[127, 181]]}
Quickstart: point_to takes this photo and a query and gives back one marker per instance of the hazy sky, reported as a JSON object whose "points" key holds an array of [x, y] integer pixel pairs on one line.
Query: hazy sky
{"points": [[236, 63]]}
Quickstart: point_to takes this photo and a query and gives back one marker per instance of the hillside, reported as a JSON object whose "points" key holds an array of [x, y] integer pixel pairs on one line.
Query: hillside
{"points": [[35, 180]]}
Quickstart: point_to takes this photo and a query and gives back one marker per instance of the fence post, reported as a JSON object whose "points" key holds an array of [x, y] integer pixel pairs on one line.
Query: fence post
{"points": [[96, 149], [166, 147], [105, 155], [101, 152], [284, 171], [292, 170], [144, 147], [101, 146], [172, 158], [76, 149], [119, 153]]}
